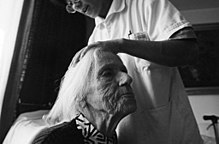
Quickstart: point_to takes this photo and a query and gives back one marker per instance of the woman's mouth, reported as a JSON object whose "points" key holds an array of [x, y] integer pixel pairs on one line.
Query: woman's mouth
{"points": [[129, 95]]}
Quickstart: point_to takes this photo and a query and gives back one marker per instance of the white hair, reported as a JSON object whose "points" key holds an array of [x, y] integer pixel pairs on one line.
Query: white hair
{"points": [[72, 91]]}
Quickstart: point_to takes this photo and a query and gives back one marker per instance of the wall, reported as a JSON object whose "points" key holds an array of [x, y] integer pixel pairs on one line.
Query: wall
{"points": [[199, 11], [195, 4], [205, 105], [202, 12]]}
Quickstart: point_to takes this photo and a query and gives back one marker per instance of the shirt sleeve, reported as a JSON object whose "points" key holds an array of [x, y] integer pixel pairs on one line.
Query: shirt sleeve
{"points": [[185, 33], [163, 19]]}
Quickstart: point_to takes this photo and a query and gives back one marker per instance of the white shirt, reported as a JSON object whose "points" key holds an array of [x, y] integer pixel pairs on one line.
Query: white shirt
{"points": [[172, 121]]}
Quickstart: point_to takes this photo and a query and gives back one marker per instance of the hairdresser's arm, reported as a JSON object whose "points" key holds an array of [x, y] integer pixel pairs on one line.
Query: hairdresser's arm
{"points": [[170, 52], [180, 49]]}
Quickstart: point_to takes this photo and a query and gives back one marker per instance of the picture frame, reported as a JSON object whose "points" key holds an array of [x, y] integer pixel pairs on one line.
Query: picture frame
{"points": [[202, 77]]}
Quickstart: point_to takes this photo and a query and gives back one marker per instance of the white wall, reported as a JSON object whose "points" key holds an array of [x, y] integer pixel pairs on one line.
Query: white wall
{"points": [[195, 4], [10, 11], [202, 16], [201, 12], [205, 105]]}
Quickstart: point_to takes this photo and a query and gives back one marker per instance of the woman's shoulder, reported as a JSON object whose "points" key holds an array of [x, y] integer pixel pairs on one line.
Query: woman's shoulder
{"points": [[64, 133]]}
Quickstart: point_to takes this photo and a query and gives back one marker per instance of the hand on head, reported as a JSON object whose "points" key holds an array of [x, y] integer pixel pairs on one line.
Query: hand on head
{"points": [[99, 87], [110, 46]]}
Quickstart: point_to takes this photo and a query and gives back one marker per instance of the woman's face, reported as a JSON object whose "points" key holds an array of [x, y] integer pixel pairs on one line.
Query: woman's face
{"points": [[110, 89], [91, 8]]}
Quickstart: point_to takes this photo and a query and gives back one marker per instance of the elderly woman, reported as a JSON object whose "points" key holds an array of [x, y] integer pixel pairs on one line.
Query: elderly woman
{"points": [[94, 96]]}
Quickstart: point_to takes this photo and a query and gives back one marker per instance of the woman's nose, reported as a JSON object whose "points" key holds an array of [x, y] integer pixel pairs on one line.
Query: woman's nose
{"points": [[124, 79]]}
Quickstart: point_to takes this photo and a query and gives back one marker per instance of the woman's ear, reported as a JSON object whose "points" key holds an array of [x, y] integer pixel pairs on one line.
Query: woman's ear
{"points": [[82, 104]]}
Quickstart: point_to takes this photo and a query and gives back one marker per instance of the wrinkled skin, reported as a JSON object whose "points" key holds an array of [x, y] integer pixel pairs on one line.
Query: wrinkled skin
{"points": [[110, 90]]}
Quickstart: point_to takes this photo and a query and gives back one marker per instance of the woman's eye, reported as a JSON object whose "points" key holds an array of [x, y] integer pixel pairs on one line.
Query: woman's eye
{"points": [[107, 73]]}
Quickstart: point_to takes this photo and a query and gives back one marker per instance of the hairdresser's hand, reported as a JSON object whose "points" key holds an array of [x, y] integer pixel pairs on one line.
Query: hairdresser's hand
{"points": [[110, 46]]}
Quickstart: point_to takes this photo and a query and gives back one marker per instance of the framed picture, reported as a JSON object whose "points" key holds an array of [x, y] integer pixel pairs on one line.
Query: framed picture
{"points": [[203, 76]]}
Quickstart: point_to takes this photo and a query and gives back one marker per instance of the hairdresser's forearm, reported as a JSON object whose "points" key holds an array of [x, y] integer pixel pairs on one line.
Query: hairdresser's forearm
{"points": [[169, 53]]}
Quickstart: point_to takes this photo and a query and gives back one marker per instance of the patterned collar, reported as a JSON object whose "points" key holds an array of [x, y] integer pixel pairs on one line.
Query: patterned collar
{"points": [[91, 134]]}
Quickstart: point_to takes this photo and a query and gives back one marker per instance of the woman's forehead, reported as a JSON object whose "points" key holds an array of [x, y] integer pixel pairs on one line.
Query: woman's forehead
{"points": [[103, 58]]}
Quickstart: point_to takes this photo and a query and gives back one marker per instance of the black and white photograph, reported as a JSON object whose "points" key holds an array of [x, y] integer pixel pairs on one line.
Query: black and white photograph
{"points": [[109, 72]]}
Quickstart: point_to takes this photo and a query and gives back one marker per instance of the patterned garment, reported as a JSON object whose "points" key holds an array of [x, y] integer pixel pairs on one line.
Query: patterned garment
{"points": [[91, 134]]}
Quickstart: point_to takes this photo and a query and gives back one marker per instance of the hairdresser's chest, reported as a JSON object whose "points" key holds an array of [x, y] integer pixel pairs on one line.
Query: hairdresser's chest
{"points": [[118, 27]]}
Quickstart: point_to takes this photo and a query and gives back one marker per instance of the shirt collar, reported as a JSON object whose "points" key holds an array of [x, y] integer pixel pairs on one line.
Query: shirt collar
{"points": [[91, 134], [116, 6]]}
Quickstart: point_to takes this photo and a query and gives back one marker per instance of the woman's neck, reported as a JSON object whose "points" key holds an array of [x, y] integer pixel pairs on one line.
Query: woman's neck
{"points": [[105, 123]]}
